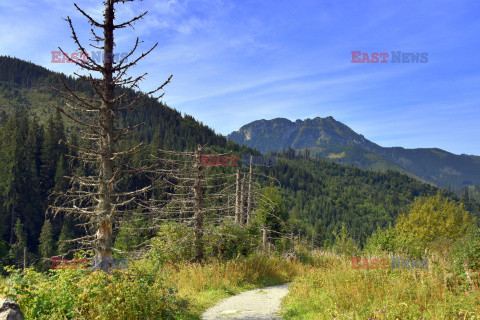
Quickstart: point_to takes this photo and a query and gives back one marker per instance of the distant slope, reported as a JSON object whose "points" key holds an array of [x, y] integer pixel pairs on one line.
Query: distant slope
{"points": [[336, 141], [26, 85], [319, 196]]}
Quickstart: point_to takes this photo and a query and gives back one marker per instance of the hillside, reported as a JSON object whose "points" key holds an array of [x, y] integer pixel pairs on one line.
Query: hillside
{"points": [[318, 196], [335, 141]]}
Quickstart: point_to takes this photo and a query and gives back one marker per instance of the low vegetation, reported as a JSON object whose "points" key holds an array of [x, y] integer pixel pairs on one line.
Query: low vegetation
{"points": [[334, 290], [147, 290]]}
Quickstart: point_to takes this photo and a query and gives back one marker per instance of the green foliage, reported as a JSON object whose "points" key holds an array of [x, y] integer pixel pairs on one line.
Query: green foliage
{"points": [[324, 195], [431, 219], [173, 242], [466, 251], [332, 289], [271, 214], [75, 294], [4, 254], [382, 240], [63, 246], [46, 247], [20, 243], [344, 244], [132, 235]]}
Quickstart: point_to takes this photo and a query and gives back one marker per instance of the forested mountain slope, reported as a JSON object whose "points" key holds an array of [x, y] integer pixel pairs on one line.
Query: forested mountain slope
{"points": [[319, 196], [335, 141]]}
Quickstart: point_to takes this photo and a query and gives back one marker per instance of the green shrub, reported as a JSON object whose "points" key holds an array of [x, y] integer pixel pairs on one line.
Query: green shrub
{"points": [[173, 242], [76, 294], [344, 244], [466, 252]]}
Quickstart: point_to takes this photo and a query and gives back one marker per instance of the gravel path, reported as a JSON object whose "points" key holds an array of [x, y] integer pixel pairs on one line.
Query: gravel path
{"points": [[258, 304]]}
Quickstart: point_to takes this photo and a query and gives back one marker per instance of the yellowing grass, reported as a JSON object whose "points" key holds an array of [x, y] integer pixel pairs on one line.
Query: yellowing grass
{"points": [[334, 290], [207, 283]]}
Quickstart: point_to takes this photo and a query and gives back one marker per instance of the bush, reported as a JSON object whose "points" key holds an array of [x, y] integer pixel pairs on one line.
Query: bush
{"points": [[344, 244], [75, 294], [432, 220], [382, 240], [173, 242], [466, 252]]}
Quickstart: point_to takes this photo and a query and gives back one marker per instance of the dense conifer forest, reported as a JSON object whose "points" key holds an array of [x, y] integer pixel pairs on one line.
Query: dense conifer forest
{"points": [[319, 196]]}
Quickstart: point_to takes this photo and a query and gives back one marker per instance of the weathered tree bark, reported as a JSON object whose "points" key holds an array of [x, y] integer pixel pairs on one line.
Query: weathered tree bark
{"points": [[242, 201], [95, 197], [105, 212], [250, 190], [264, 239], [237, 198], [198, 213]]}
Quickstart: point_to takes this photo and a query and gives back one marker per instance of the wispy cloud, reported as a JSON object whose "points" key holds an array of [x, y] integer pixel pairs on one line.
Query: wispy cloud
{"points": [[235, 62]]}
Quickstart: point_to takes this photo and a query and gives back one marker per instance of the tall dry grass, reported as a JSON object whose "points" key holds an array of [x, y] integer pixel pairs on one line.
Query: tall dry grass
{"points": [[206, 283], [334, 290]]}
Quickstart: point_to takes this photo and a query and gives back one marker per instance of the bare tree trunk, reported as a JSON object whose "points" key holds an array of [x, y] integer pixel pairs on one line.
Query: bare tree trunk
{"points": [[292, 241], [198, 214], [24, 258], [242, 201], [250, 189], [237, 198], [95, 197], [264, 239], [106, 123]]}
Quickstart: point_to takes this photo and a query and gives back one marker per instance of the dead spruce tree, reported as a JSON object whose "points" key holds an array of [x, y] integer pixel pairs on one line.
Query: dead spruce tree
{"points": [[191, 196], [96, 197]]}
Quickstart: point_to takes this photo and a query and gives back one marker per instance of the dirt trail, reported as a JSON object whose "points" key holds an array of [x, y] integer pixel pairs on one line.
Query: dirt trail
{"points": [[258, 304]]}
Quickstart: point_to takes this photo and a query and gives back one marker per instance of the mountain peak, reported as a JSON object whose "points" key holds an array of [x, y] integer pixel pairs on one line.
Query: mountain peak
{"points": [[281, 133], [338, 142]]}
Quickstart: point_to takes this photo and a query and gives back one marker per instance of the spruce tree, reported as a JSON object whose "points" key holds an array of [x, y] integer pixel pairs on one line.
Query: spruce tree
{"points": [[99, 196], [46, 248], [20, 244], [63, 246]]}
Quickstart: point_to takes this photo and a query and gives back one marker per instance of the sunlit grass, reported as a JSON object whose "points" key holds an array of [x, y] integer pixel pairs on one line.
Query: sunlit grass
{"points": [[334, 290]]}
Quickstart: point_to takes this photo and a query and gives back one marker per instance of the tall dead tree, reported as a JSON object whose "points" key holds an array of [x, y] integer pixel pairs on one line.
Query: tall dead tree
{"points": [[198, 210], [96, 197], [191, 195], [238, 212], [250, 191], [242, 200]]}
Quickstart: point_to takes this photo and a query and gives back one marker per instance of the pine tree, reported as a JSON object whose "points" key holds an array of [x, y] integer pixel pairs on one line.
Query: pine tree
{"points": [[21, 243], [61, 184], [66, 234], [46, 248]]}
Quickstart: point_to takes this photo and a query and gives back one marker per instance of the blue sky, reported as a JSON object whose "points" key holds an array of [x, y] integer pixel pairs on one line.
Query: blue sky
{"points": [[234, 62]]}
